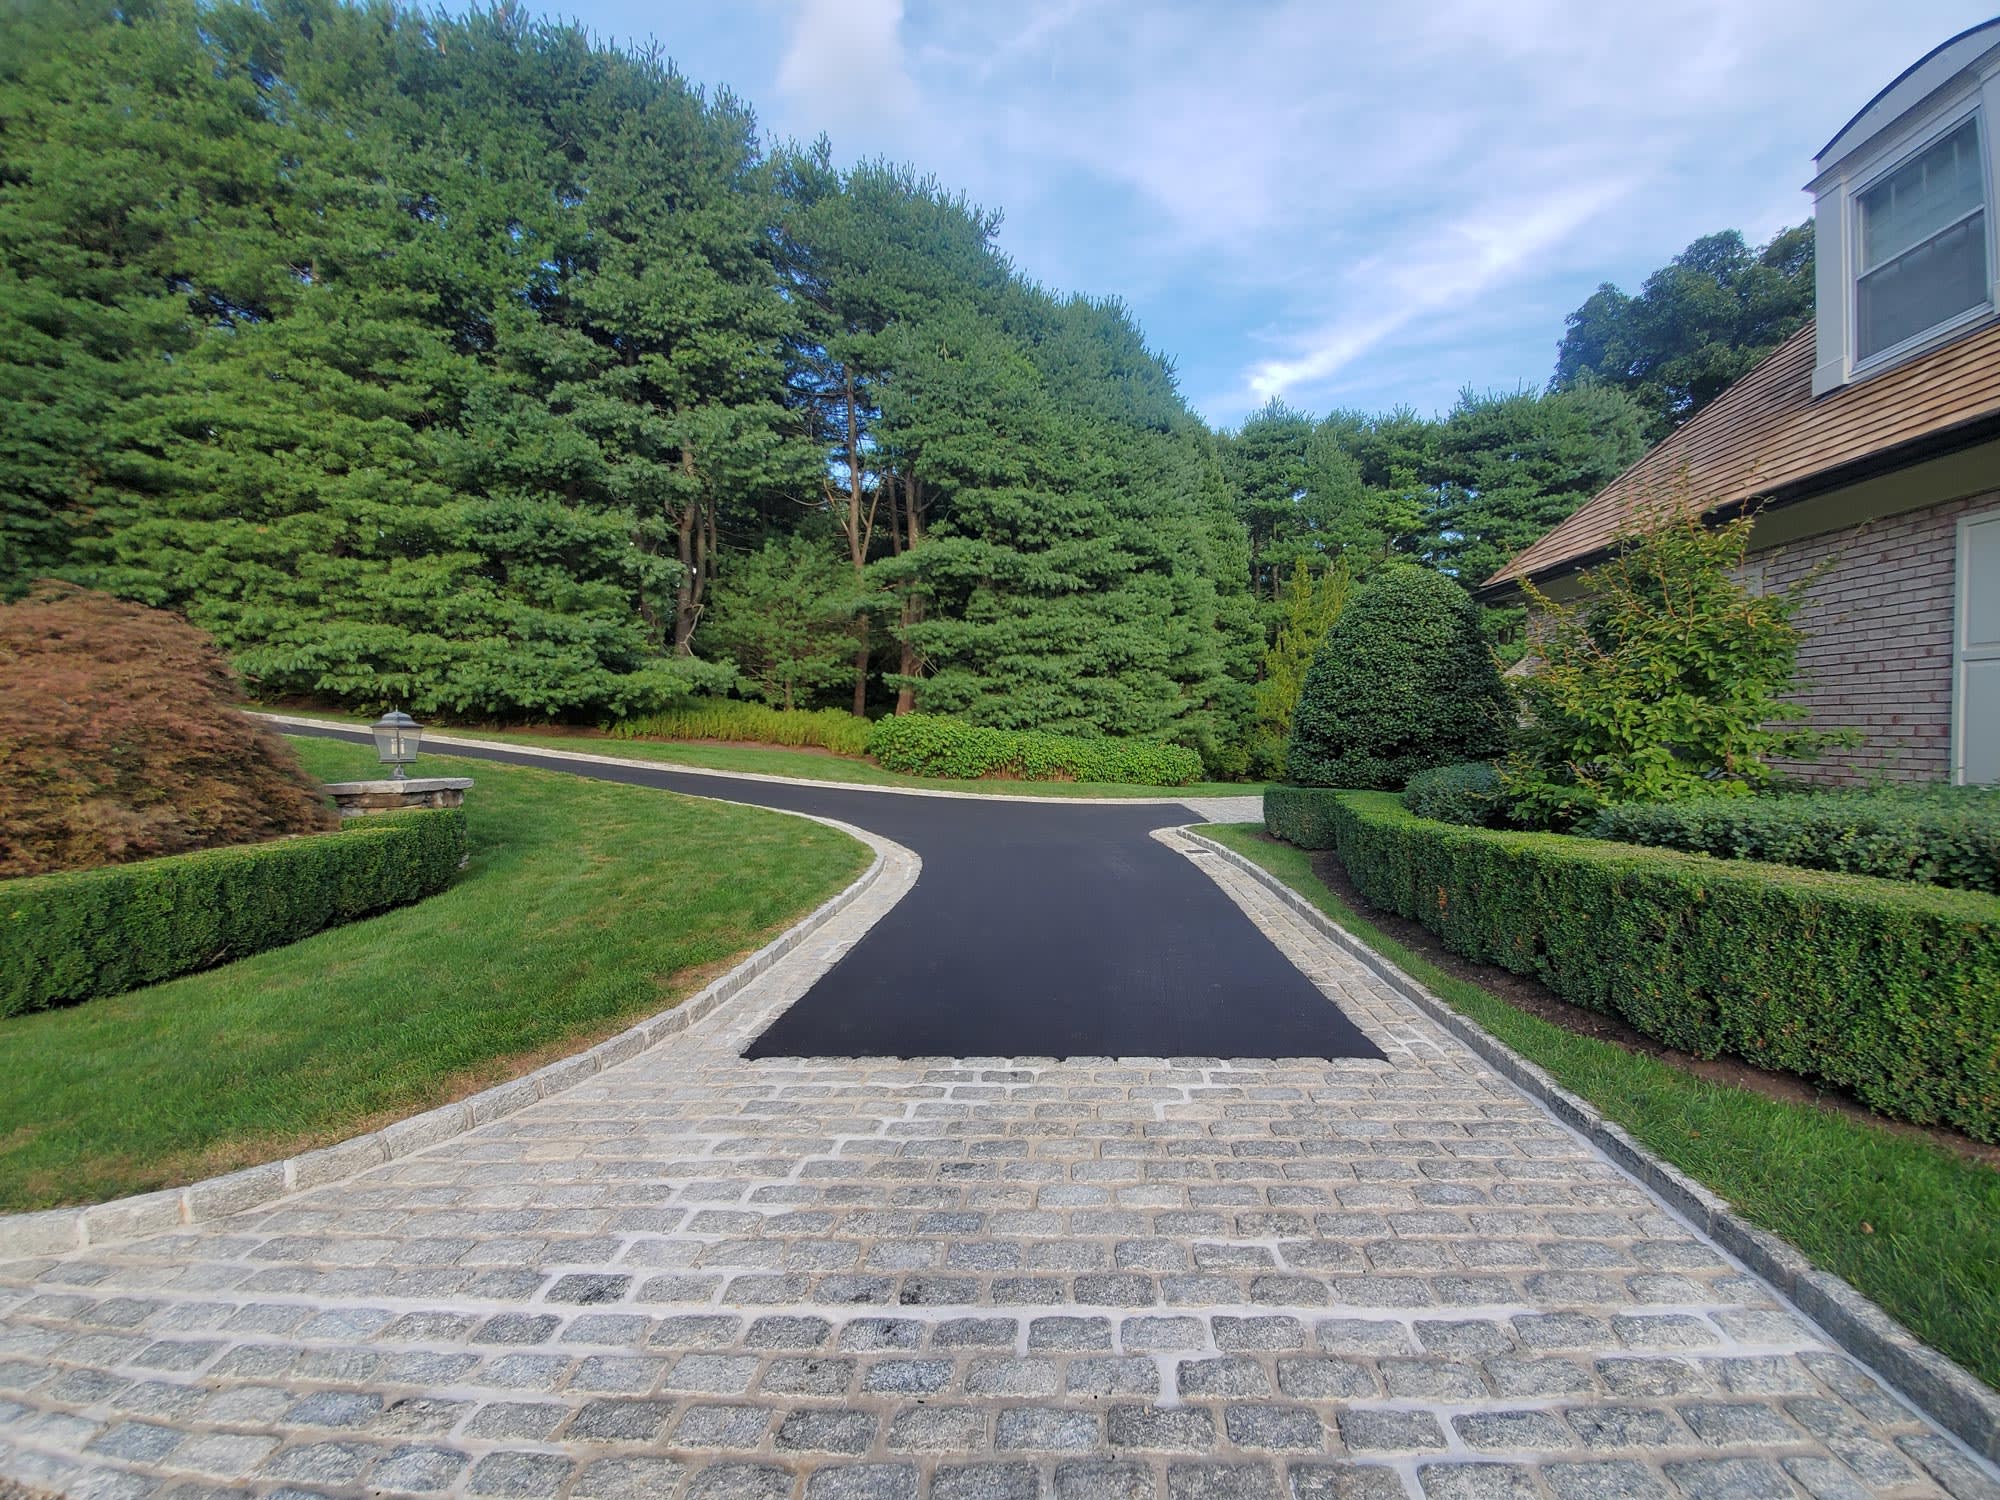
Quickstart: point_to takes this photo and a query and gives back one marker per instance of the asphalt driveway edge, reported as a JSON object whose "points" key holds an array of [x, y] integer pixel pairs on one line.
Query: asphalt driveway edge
{"points": [[1939, 1387], [60, 1231]]}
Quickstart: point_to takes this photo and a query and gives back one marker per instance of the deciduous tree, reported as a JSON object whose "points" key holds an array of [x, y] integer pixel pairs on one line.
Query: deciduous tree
{"points": [[1664, 680], [1697, 325]]}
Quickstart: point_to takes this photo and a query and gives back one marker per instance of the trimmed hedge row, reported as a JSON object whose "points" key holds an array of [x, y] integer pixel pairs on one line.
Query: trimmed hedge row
{"points": [[1941, 835], [933, 745], [84, 933], [1890, 991], [725, 719]]}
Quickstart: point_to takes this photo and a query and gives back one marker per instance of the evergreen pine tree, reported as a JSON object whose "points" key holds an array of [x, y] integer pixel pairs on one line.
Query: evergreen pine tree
{"points": [[785, 619]]}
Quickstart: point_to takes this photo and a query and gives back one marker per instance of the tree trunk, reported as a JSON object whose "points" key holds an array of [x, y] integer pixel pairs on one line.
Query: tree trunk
{"points": [[857, 549], [913, 604], [684, 605], [911, 663], [695, 540]]}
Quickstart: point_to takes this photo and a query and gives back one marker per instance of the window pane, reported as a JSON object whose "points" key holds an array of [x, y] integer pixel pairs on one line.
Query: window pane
{"points": [[1938, 280], [1980, 710], [1917, 200]]}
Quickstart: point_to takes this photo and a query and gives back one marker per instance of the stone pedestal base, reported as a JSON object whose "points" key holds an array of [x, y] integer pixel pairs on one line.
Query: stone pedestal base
{"points": [[357, 798]]}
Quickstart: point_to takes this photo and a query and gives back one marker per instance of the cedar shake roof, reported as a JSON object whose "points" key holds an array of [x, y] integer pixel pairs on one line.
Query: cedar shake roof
{"points": [[1767, 434]]}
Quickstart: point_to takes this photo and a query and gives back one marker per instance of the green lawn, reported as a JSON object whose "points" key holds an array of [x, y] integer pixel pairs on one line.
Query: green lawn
{"points": [[811, 765], [1911, 1225], [585, 907]]}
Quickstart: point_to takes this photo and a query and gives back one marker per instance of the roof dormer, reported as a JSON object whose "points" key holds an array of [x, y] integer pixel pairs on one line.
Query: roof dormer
{"points": [[1904, 215]]}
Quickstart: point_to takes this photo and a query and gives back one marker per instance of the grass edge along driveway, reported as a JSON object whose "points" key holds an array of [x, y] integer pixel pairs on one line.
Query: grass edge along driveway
{"points": [[794, 764], [1911, 1226], [585, 906]]}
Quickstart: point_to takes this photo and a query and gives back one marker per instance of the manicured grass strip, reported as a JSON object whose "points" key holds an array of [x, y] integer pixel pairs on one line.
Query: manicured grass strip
{"points": [[1930, 1249], [808, 765], [805, 766], [586, 905]]}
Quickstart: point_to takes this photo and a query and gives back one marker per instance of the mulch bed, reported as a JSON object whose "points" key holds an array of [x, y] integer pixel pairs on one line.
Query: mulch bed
{"points": [[1532, 996]]}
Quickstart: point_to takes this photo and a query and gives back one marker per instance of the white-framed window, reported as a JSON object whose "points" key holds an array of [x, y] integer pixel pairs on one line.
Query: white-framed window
{"points": [[1975, 715], [1920, 245]]}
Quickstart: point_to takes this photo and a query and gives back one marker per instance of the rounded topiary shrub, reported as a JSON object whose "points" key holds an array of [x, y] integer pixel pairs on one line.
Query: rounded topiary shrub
{"points": [[1403, 682]]}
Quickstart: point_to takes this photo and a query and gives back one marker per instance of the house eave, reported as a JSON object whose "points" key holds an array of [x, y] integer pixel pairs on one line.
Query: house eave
{"points": [[1945, 65], [1979, 430]]}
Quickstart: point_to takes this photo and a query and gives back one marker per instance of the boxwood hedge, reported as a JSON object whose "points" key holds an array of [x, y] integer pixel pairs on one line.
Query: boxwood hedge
{"points": [[1888, 990], [83, 933], [933, 745], [1946, 835]]}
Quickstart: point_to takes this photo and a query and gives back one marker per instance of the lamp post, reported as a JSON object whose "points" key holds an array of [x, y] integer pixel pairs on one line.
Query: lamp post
{"points": [[396, 738]]}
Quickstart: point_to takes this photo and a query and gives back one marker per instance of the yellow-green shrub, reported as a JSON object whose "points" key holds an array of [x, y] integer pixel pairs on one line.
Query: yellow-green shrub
{"points": [[754, 723]]}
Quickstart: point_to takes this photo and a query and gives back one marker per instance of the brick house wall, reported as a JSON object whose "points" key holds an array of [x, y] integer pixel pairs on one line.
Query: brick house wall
{"points": [[1879, 640]]}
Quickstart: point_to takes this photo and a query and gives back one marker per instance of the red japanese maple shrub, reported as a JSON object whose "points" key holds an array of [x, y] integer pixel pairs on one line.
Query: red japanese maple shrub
{"points": [[118, 741]]}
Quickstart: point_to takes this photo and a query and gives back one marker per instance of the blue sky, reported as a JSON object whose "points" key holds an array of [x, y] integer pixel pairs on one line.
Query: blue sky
{"points": [[1348, 204]]}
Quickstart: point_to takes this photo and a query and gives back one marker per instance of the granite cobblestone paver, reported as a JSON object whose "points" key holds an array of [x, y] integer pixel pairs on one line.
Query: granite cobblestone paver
{"points": [[963, 1279]]}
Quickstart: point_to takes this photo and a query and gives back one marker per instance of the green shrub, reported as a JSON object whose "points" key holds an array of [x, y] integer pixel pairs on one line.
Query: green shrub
{"points": [[932, 745], [1941, 835], [1300, 815], [1467, 793], [1888, 990], [1403, 681], [754, 723], [79, 934], [1665, 681]]}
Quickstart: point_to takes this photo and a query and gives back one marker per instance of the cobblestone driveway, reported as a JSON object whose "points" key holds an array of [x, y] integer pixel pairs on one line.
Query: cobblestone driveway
{"points": [[972, 1279]]}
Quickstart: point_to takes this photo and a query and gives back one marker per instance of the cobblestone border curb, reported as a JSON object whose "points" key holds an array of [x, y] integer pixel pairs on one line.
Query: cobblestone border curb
{"points": [[444, 740], [1941, 1389], [59, 1231]]}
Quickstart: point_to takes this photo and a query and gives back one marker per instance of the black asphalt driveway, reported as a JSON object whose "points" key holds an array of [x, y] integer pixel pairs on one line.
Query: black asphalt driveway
{"points": [[1034, 930]]}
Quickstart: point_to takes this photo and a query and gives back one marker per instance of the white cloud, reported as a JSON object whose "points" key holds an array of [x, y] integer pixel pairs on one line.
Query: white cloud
{"points": [[1323, 198], [843, 63], [1460, 264]]}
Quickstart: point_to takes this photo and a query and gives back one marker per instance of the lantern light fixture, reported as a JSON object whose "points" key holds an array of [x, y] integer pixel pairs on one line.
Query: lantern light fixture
{"points": [[396, 738]]}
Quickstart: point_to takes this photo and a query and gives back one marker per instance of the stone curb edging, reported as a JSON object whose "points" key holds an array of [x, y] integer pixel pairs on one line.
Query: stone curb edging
{"points": [[1940, 1388], [446, 740], [60, 1231]]}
